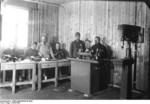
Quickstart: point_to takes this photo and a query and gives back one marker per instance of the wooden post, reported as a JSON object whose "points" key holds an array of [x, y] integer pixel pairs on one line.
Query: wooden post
{"points": [[29, 74], [56, 75], [39, 76], [14, 79], [149, 82], [149, 74], [4, 76], [34, 77]]}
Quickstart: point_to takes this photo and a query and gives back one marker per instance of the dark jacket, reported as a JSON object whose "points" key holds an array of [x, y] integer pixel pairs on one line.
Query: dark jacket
{"points": [[100, 50], [60, 54], [30, 52], [14, 54], [75, 46]]}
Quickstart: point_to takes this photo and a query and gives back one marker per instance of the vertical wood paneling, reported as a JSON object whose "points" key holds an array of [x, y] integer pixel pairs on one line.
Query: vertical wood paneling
{"points": [[102, 18], [141, 21], [48, 17], [147, 50], [43, 21]]}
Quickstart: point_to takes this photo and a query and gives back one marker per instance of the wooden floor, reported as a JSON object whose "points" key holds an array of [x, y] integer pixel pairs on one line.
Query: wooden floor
{"points": [[49, 92]]}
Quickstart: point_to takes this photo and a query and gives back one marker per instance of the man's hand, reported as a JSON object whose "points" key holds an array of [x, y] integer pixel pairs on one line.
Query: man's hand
{"points": [[32, 57]]}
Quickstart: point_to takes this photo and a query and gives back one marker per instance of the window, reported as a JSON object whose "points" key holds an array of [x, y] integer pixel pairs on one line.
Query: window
{"points": [[15, 26]]}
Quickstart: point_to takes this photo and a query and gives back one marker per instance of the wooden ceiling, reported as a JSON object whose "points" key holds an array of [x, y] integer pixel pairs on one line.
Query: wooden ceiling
{"points": [[66, 1], [59, 2]]}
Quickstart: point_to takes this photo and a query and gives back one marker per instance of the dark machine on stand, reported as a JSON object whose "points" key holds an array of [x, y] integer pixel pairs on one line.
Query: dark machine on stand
{"points": [[90, 54], [130, 34]]}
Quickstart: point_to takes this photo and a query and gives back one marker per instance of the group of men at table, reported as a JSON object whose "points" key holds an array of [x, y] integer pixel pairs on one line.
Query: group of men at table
{"points": [[44, 51]]}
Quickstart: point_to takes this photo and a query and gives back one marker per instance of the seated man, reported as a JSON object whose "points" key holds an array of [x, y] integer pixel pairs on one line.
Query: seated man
{"points": [[10, 54], [59, 53], [31, 52]]}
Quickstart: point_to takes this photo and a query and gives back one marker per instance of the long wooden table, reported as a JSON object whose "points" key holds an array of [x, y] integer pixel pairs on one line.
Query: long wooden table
{"points": [[18, 66], [51, 64]]}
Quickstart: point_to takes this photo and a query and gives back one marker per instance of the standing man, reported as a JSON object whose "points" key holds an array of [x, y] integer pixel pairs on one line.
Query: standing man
{"points": [[99, 52], [76, 46], [45, 49]]}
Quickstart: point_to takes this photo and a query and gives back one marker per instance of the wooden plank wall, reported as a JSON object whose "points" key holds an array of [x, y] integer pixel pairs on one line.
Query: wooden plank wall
{"points": [[43, 21], [0, 27], [101, 18], [48, 16], [147, 50]]}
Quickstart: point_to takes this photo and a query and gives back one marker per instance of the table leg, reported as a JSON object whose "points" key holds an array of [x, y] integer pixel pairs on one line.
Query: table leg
{"points": [[33, 77], [39, 77], [13, 81], [29, 74], [23, 73], [56, 75], [4, 76]]}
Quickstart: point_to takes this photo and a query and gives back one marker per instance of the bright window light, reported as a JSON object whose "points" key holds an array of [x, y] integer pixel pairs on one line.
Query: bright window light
{"points": [[15, 26]]}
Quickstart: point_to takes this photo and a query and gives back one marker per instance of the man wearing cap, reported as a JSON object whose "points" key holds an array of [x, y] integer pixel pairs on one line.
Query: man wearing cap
{"points": [[76, 46]]}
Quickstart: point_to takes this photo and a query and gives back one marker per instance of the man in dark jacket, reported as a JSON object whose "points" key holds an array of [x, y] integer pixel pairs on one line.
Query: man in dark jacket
{"points": [[76, 46], [31, 52], [59, 53], [98, 50]]}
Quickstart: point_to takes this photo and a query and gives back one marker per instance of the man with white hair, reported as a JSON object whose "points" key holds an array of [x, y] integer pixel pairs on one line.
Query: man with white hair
{"points": [[45, 48]]}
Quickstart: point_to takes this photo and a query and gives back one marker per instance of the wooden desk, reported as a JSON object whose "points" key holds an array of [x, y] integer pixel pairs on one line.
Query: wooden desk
{"points": [[84, 77], [51, 64], [19, 66]]}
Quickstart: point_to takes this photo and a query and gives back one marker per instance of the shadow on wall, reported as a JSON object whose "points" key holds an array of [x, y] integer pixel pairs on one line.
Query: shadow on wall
{"points": [[113, 73], [108, 48]]}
